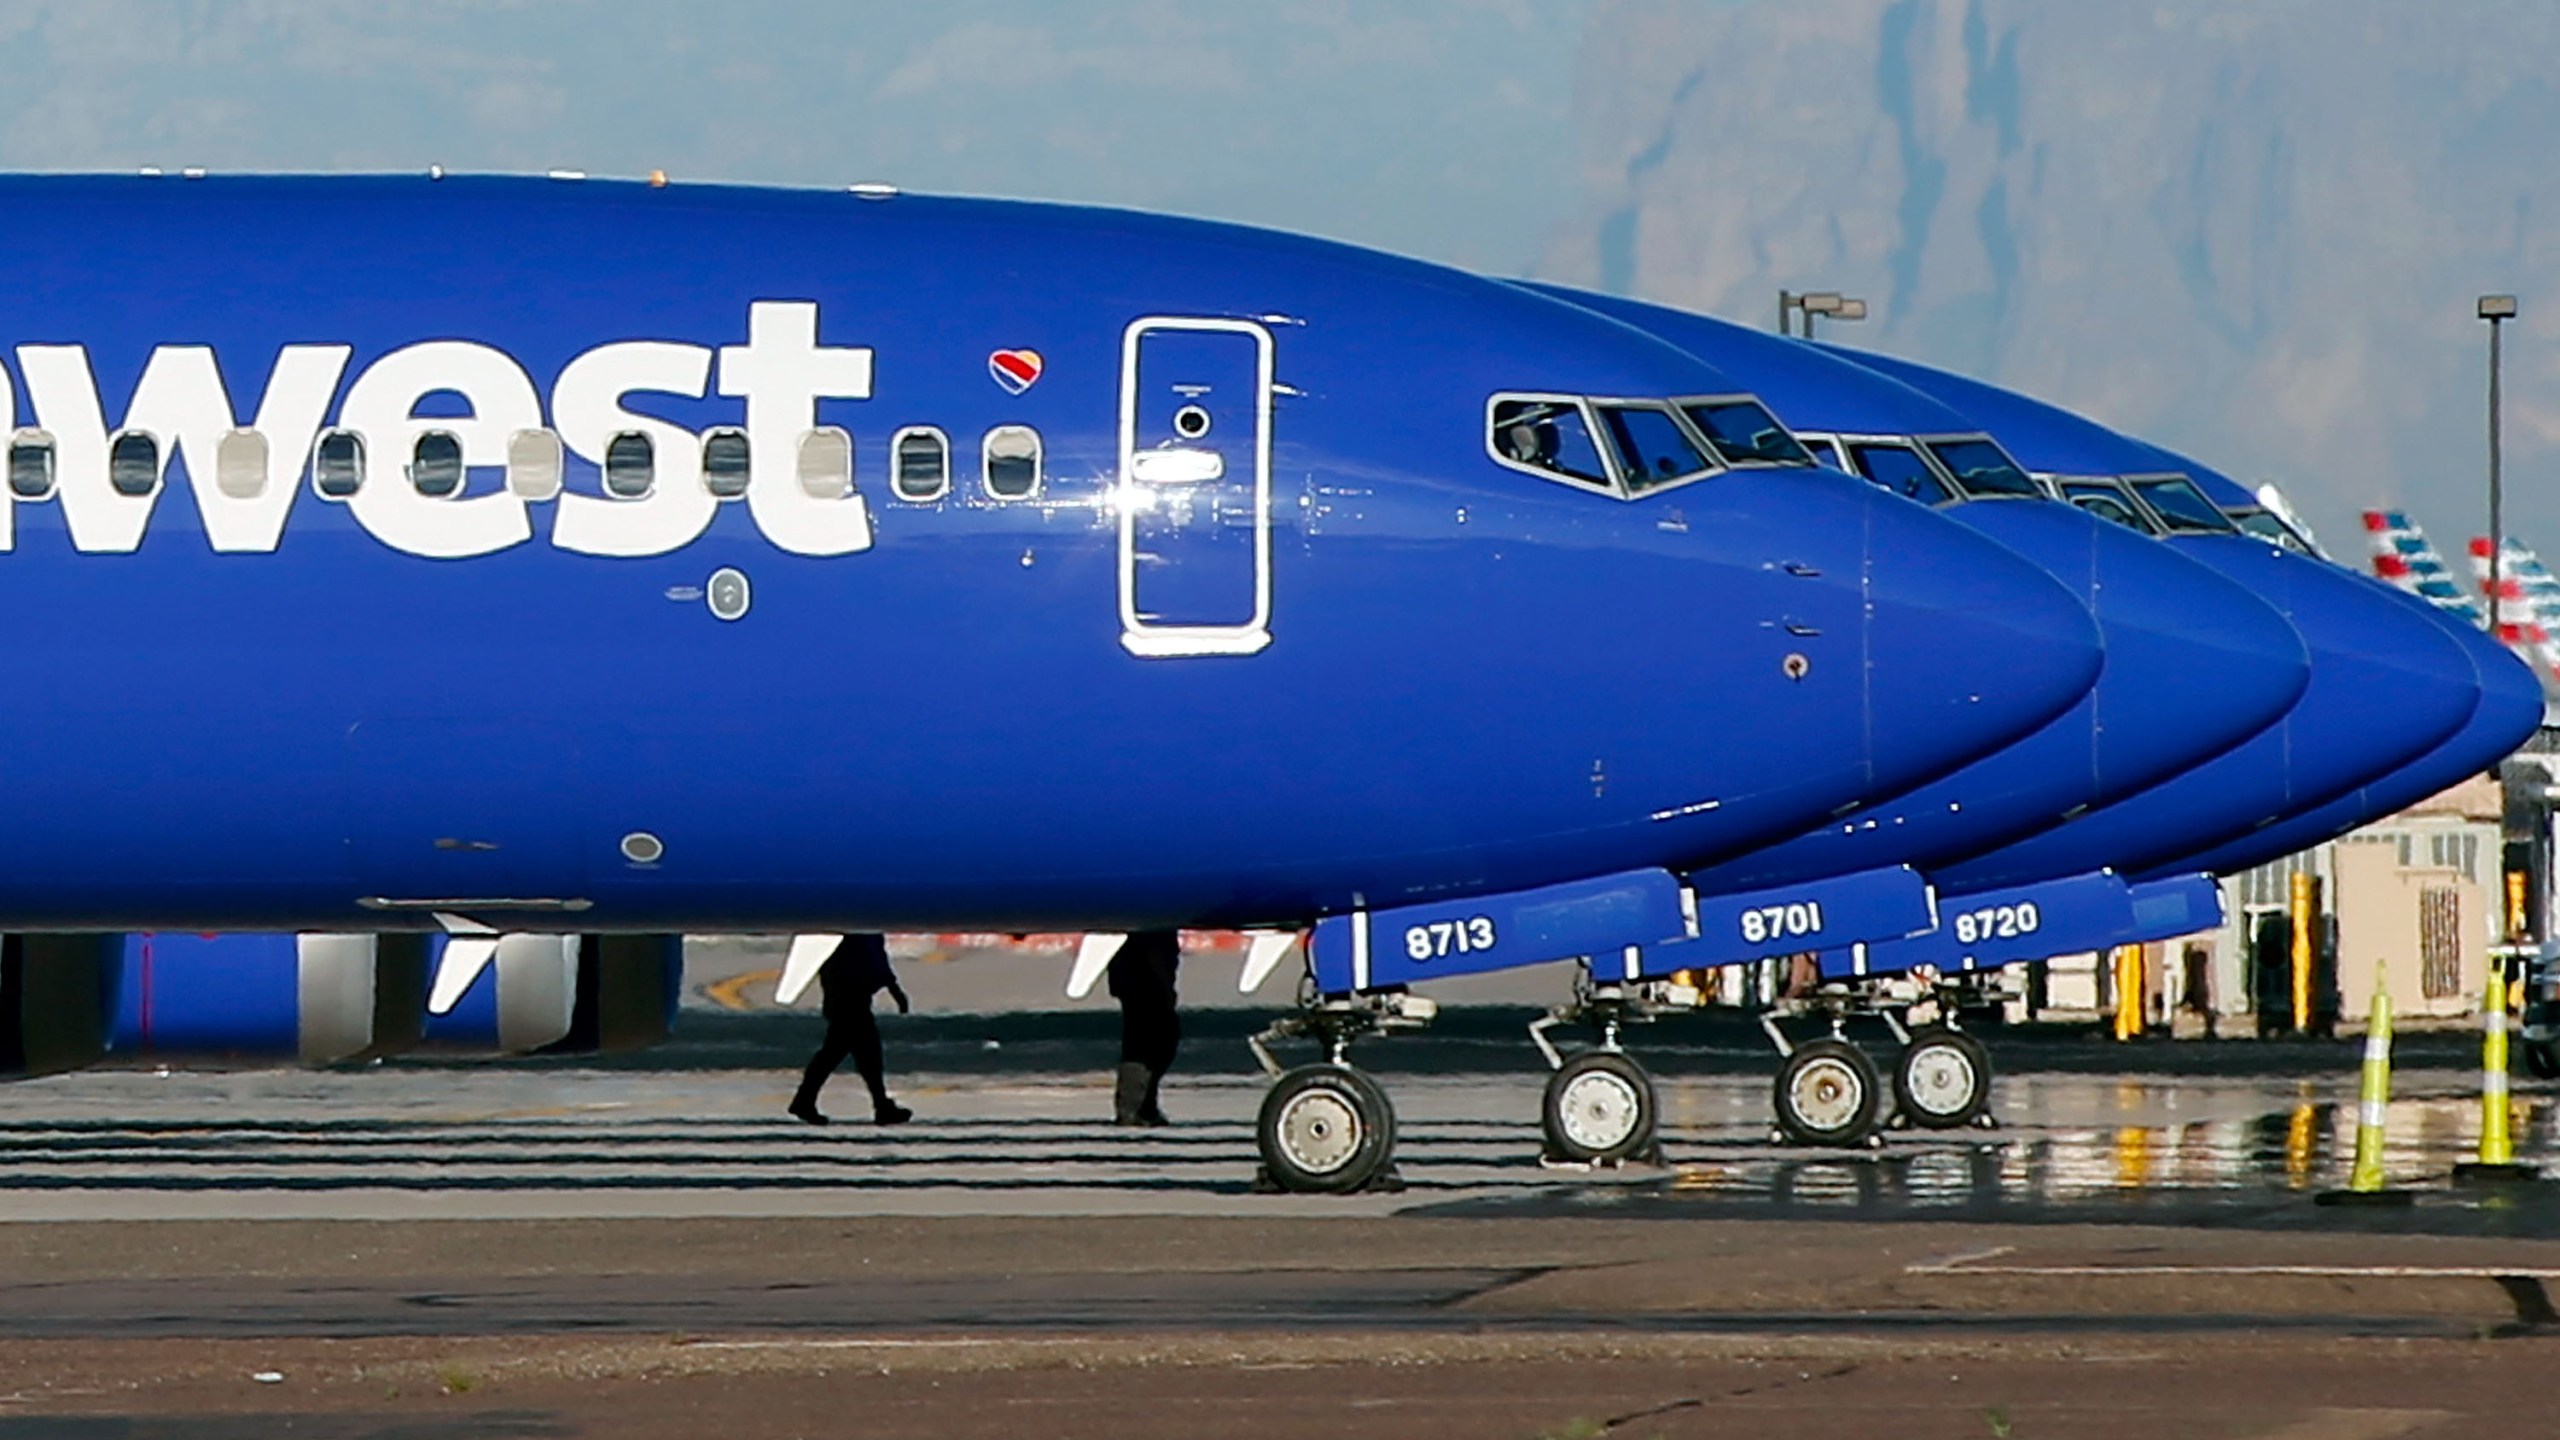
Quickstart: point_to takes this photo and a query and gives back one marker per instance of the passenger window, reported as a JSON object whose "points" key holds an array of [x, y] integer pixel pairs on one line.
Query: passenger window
{"points": [[1745, 433], [1546, 437], [1652, 449], [1900, 469], [337, 464], [1012, 462], [435, 464], [31, 465], [826, 463], [133, 462], [724, 462], [920, 460], [533, 465], [240, 465], [630, 465]]}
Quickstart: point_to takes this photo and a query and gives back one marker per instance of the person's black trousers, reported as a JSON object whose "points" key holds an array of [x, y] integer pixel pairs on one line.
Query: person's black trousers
{"points": [[854, 1034]]}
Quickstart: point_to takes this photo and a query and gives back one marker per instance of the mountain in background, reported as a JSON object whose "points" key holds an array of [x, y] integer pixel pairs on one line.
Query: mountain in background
{"points": [[2252, 230]]}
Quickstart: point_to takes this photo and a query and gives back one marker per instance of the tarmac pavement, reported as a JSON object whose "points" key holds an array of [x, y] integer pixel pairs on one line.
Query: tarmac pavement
{"points": [[646, 1247]]}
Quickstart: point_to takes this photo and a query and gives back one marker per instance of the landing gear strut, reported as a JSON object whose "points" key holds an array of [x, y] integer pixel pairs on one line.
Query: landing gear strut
{"points": [[1328, 1128], [1600, 1107]]}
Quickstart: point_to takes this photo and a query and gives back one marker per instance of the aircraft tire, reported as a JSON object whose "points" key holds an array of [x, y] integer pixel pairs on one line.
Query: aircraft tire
{"points": [[1600, 1109], [1325, 1129], [1942, 1080], [1827, 1094], [2543, 1061]]}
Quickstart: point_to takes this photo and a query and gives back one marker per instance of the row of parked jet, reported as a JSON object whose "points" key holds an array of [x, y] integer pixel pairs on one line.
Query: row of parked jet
{"points": [[508, 575]]}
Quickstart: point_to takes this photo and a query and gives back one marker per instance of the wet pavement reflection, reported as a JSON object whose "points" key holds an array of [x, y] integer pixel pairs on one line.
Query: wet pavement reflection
{"points": [[1016, 1120]]}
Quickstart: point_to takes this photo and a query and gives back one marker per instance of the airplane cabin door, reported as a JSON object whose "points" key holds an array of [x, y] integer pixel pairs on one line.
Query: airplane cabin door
{"points": [[1195, 487]]}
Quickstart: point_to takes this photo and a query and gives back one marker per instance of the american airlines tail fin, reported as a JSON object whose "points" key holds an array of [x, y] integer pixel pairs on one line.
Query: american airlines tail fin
{"points": [[2526, 601], [2404, 557]]}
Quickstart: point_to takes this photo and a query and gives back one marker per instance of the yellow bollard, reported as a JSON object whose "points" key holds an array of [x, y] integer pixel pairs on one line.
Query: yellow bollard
{"points": [[2128, 972], [2497, 1143], [2302, 917], [2365, 1185]]}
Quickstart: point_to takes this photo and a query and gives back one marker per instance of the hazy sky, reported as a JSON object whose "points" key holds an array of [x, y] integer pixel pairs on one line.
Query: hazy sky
{"points": [[1438, 127], [2250, 228]]}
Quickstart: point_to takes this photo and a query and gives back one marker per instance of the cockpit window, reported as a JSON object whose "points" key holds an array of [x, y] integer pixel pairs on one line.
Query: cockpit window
{"points": [[2266, 526], [1982, 468], [1900, 469], [1745, 433], [2181, 506], [1825, 452], [1653, 451], [2105, 501], [1547, 436]]}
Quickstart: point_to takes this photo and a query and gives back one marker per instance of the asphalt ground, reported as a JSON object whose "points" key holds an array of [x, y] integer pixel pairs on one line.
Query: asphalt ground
{"points": [[645, 1247]]}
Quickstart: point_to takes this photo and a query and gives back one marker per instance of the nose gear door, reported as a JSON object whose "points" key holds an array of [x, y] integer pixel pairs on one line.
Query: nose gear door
{"points": [[1195, 487]]}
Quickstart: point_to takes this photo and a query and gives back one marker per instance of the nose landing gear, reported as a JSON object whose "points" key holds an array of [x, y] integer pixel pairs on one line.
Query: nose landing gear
{"points": [[1830, 1093], [1827, 1094], [1943, 1079], [1600, 1107], [1328, 1128]]}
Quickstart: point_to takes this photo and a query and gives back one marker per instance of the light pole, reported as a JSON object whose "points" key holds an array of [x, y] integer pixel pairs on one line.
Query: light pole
{"points": [[1818, 302], [2497, 310]]}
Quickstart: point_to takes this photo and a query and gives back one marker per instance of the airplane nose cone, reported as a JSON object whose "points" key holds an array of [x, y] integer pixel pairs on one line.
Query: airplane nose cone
{"points": [[2387, 683], [1970, 645], [2195, 662], [2386, 686], [2510, 710]]}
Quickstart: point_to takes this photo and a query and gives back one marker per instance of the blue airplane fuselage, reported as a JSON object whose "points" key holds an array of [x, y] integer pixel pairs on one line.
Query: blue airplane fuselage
{"points": [[1076, 569]]}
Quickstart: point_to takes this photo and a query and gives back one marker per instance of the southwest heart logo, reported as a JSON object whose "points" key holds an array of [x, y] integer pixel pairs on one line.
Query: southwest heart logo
{"points": [[1015, 370]]}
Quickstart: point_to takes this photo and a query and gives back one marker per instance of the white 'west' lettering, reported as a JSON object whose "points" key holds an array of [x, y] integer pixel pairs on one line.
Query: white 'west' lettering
{"points": [[378, 406], [782, 371], [63, 392], [586, 409], [182, 401]]}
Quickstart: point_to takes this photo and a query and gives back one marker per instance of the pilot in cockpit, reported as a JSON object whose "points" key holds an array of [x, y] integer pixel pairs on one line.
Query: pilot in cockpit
{"points": [[1532, 442]]}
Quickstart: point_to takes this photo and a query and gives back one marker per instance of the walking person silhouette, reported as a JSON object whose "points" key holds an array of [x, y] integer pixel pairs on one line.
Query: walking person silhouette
{"points": [[857, 971]]}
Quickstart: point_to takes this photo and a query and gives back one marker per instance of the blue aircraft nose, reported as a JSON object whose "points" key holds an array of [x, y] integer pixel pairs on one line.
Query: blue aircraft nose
{"points": [[1851, 578], [2510, 710], [1970, 645], [2386, 686], [2194, 664]]}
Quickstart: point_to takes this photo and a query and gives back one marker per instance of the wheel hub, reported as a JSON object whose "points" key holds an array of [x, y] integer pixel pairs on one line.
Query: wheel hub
{"points": [[1319, 1131], [1826, 1094], [1599, 1110], [1941, 1078]]}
